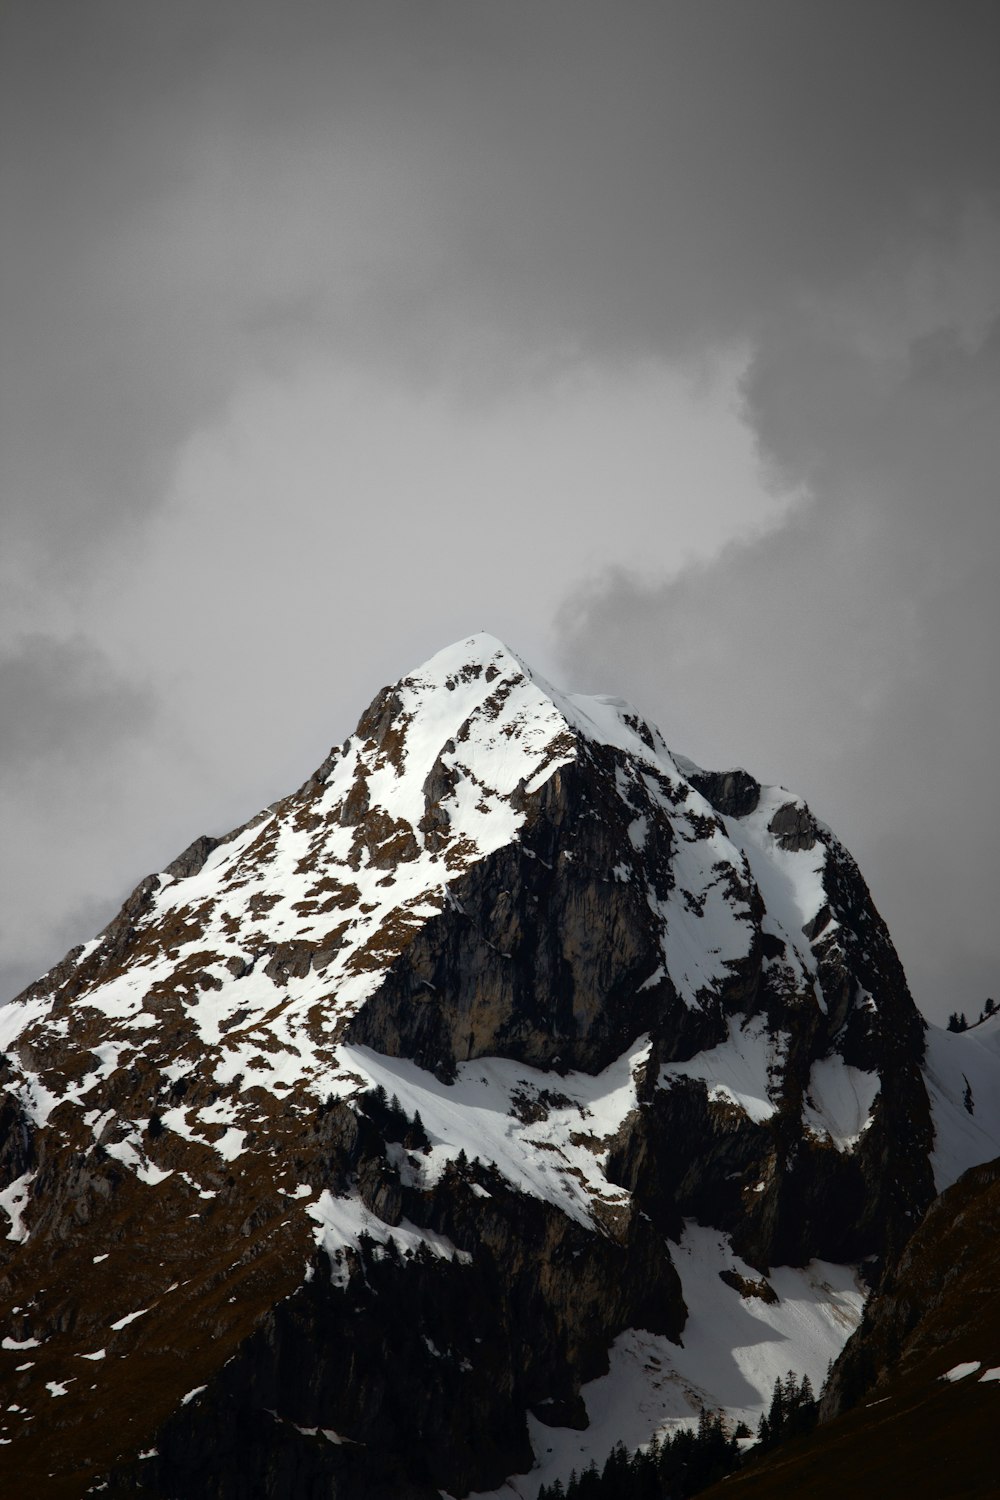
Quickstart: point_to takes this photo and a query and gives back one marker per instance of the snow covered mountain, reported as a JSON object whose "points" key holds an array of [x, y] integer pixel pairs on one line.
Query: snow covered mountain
{"points": [[512, 1087]]}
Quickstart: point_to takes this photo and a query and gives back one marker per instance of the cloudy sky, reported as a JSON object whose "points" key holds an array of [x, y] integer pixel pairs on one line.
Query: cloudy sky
{"points": [[661, 339]]}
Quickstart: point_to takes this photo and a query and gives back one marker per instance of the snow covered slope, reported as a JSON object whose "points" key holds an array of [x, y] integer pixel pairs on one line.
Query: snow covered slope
{"points": [[443, 1064], [963, 1079]]}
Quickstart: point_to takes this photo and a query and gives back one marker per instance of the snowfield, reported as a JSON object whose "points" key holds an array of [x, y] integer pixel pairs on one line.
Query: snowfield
{"points": [[733, 1350], [962, 1071]]}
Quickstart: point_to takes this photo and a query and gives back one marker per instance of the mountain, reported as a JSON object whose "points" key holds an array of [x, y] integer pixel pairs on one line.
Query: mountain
{"points": [[512, 1087]]}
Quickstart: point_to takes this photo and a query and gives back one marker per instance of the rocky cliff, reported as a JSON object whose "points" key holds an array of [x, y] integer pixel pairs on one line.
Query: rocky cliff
{"points": [[509, 1069]]}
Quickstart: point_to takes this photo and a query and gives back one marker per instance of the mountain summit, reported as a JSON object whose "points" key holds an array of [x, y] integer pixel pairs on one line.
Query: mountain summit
{"points": [[511, 1069]]}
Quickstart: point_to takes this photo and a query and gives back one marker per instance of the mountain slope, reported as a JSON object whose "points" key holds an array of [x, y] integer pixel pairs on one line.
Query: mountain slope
{"points": [[919, 1384], [507, 1044]]}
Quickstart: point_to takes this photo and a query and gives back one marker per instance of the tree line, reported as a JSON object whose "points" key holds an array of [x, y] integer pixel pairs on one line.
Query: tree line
{"points": [[684, 1462], [957, 1021]]}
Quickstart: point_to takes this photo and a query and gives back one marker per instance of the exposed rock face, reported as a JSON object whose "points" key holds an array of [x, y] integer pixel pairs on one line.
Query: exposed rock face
{"points": [[939, 1302], [376, 1120], [540, 955]]}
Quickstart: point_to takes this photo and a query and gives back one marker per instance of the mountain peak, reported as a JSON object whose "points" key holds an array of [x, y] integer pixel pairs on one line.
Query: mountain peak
{"points": [[456, 695], [481, 649], [480, 681]]}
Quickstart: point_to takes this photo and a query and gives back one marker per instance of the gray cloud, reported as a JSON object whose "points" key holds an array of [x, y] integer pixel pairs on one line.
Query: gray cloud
{"points": [[62, 701], [72, 731], [21, 962], [192, 191]]}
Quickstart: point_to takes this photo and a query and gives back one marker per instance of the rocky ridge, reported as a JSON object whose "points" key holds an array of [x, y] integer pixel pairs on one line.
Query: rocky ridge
{"points": [[367, 1139]]}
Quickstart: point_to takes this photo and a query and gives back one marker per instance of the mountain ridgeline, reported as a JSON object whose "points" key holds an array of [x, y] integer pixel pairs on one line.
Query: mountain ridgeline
{"points": [[510, 1070]]}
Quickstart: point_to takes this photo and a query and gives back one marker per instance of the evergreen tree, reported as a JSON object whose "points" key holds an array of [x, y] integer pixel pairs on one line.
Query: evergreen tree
{"points": [[670, 1468], [614, 1476], [588, 1485], [792, 1411]]}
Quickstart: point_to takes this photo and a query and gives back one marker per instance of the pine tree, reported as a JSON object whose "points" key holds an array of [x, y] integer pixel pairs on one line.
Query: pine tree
{"points": [[776, 1411], [614, 1477], [588, 1486]]}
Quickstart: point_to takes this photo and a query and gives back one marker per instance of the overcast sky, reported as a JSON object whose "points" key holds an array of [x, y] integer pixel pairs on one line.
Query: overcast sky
{"points": [[661, 339]]}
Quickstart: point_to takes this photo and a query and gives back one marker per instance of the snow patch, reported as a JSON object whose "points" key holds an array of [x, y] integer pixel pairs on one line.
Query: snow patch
{"points": [[962, 1069], [340, 1223], [129, 1318], [14, 1201], [738, 1070], [557, 1157], [839, 1101], [960, 1372]]}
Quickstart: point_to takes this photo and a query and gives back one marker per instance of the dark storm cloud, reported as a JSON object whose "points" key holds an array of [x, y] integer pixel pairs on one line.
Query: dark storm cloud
{"points": [[190, 189]]}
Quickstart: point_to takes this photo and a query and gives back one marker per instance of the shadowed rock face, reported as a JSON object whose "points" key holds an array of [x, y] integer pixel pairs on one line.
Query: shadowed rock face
{"points": [[541, 955], [938, 1306], [619, 993]]}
